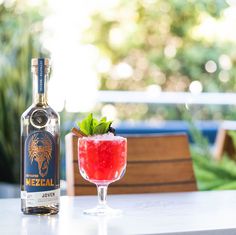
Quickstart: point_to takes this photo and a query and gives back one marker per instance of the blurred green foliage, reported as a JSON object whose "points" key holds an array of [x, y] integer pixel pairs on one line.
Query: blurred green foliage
{"points": [[212, 174], [20, 27], [159, 44], [156, 41]]}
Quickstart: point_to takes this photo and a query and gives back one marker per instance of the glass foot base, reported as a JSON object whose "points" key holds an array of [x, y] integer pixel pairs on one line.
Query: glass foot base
{"points": [[103, 211]]}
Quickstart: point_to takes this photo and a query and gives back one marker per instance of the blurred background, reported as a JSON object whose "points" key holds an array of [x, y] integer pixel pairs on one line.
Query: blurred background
{"points": [[152, 66]]}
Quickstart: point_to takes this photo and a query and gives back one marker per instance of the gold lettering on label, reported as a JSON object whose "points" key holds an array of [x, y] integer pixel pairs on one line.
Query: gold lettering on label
{"points": [[39, 182], [42, 182], [33, 182], [27, 181], [49, 182]]}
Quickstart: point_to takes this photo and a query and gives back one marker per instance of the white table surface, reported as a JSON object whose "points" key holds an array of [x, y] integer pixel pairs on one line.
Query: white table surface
{"points": [[194, 213]]}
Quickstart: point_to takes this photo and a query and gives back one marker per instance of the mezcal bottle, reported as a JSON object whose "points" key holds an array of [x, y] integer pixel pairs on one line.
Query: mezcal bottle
{"points": [[40, 146]]}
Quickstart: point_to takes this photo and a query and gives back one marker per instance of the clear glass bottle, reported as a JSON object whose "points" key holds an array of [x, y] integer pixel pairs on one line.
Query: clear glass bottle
{"points": [[40, 147]]}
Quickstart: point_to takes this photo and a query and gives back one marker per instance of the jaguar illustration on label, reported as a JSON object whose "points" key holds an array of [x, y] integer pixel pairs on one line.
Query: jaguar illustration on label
{"points": [[40, 152]]}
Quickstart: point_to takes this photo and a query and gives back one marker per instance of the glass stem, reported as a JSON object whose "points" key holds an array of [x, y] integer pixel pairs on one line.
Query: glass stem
{"points": [[102, 195]]}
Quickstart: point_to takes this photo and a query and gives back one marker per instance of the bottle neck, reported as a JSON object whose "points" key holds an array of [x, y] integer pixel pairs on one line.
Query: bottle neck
{"points": [[40, 89]]}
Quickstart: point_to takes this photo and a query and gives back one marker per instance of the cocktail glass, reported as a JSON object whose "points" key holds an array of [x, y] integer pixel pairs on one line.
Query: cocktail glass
{"points": [[102, 160]]}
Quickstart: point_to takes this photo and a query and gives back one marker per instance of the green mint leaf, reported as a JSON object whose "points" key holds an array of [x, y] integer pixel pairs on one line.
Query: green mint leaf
{"points": [[108, 124], [95, 123], [91, 126], [86, 126], [103, 119], [100, 128]]}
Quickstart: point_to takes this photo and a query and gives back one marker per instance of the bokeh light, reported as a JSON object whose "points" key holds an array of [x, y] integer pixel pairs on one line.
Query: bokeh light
{"points": [[224, 76], [210, 66], [109, 111], [122, 71], [195, 87], [170, 51], [225, 62]]}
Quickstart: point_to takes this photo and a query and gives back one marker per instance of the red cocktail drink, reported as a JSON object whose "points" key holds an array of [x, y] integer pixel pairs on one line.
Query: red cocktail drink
{"points": [[102, 159]]}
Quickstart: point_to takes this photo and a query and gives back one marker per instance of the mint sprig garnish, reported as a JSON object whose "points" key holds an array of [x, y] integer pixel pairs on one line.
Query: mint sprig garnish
{"points": [[93, 126]]}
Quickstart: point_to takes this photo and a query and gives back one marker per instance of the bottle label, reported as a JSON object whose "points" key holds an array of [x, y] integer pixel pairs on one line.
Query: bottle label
{"points": [[41, 198], [41, 163], [41, 75]]}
